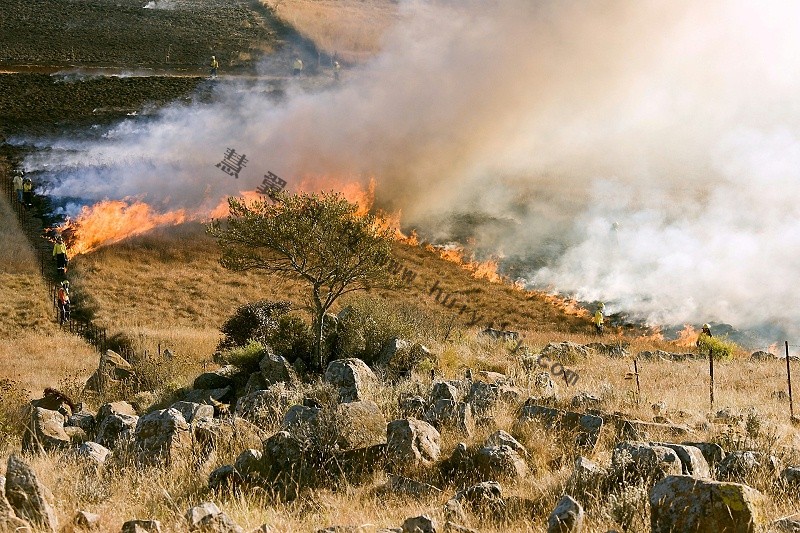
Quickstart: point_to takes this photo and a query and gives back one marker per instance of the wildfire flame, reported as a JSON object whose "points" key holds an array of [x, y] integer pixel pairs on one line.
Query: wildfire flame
{"points": [[687, 337], [111, 221], [479, 269], [567, 306]]}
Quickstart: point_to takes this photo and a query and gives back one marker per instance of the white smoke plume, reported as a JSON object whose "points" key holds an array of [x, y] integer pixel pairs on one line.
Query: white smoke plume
{"points": [[532, 128]]}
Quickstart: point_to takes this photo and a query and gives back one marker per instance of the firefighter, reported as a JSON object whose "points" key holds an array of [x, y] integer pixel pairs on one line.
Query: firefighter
{"points": [[297, 66], [598, 318], [705, 332], [63, 302], [27, 192], [214, 66], [60, 254], [336, 69], [18, 186]]}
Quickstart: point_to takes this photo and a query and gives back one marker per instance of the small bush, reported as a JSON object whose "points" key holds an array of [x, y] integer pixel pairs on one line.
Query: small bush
{"points": [[722, 348], [246, 357], [253, 321], [293, 339]]}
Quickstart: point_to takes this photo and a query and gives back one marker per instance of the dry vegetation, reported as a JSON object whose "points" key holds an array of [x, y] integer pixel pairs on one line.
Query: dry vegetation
{"points": [[351, 29]]}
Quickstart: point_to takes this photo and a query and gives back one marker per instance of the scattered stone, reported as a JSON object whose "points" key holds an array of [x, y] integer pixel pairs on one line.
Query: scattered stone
{"points": [[115, 428], [247, 462], [641, 430], [447, 414], [741, 463], [712, 452], [631, 461], [45, 431], [207, 518], [791, 475], [190, 410], [141, 526], [358, 425], [236, 433], [419, 524], [351, 376], [95, 454], [616, 350], [443, 390], [587, 477], [483, 397], [411, 443], [413, 407], [500, 437], [266, 408], [454, 511], [564, 352], [785, 525], [586, 427], [693, 463], [500, 462], [391, 349], [8, 519], [300, 419], [585, 400], [543, 386], [683, 503], [217, 379], [83, 419], [410, 487], [30, 500], [761, 355], [483, 499], [669, 356], [209, 396], [224, 477], [276, 369], [452, 527], [163, 436], [86, 520], [500, 334], [111, 370], [567, 517]]}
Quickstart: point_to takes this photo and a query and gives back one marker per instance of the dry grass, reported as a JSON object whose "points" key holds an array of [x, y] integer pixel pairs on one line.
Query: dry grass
{"points": [[351, 29]]}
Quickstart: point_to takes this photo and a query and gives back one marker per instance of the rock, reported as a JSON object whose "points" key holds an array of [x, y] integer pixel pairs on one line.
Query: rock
{"points": [[500, 463], [225, 477], [217, 379], [276, 369], [235, 433], [115, 408], [693, 463], [358, 424], [543, 386], [785, 525], [86, 521], [454, 511], [300, 420], [286, 464], [8, 519], [483, 499], [111, 370], [45, 431], [419, 524], [631, 461], [761, 355], [616, 350], [683, 503], [585, 427], [76, 435], [564, 352], [791, 475], [351, 376], [584, 399], [741, 463], [413, 407], [163, 436], [266, 408], [84, 420], [54, 400], [442, 390], [390, 350], [452, 527], [641, 430], [209, 396], [95, 454], [191, 410], [409, 487], [411, 443], [668, 356], [141, 526], [207, 518], [447, 414], [712, 452], [567, 517], [483, 397], [30, 500], [587, 477], [247, 462], [115, 428], [254, 382], [500, 437]]}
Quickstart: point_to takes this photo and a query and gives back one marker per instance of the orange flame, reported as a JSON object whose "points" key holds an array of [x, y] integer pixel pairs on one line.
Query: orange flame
{"points": [[567, 306], [479, 269], [687, 337], [111, 221]]}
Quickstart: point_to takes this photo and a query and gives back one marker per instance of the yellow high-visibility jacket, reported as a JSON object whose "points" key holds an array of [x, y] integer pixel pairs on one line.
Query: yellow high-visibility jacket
{"points": [[27, 186], [598, 318], [59, 248], [214, 63], [298, 64]]}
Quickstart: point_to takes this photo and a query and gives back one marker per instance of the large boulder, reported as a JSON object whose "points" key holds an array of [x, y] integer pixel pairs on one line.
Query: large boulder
{"points": [[351, 376], [587, 477], [483, 499], [358, 425], [585, 428], [632, 461], [567, 517], [236, 433], [116, 428], [403, 486], [277, 369], [141, 526], [217, 379], [693, 462], [45, 431], [500, 437], [564, 352], [9, 521], [207, 518], [447, 414], [483, 396], [419, 524], [266, 408], [91, 453], [111, 370], [287, 465], [411, 443], [500, 463], [444, 390], [684, 503], [83, 419], [163, 436], [30, 500], [191, 410]]}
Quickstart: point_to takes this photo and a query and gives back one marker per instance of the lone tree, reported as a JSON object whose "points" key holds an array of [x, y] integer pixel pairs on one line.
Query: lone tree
{"points": [[318, 238]]}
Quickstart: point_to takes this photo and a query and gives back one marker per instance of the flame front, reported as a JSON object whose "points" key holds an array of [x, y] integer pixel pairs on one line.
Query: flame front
{"points": [[111, 221], [479, 269], [687, 337]]}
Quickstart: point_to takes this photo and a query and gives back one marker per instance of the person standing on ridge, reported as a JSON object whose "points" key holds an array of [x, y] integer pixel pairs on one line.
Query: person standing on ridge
{"points": [[60, 254], [336, 69], [63, 302], [27, 192], [705, 332], [297, 66], [214, 66], [598, 318], [18, 186]]}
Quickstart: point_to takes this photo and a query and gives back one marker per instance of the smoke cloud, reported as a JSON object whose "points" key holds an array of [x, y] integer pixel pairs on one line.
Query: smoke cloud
{"points": [[641, 153]]}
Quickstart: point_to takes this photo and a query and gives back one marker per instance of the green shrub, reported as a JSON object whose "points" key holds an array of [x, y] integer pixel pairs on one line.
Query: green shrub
{"points": [[246, 357], [293, 339], [722, 348], [252, 321]]}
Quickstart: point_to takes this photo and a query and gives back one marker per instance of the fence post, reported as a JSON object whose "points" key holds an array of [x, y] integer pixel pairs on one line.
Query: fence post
{"points": [[638, 389], [789, 382], [711, 373]]}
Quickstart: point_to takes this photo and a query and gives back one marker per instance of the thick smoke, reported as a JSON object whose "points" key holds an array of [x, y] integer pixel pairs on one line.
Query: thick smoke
{"points": [[642, 153]]}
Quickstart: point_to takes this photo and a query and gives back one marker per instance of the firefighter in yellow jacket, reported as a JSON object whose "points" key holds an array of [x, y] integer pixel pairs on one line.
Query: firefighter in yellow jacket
{"points": [[598, 318], [214, 66], [60, 254]]}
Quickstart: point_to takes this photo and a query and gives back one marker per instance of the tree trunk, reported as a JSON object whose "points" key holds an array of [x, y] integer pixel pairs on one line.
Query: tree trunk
{"points": [[319, 324]]}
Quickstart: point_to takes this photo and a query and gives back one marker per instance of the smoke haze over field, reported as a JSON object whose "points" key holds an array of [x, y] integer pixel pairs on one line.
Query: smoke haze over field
{"points": [[533, 127]]}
